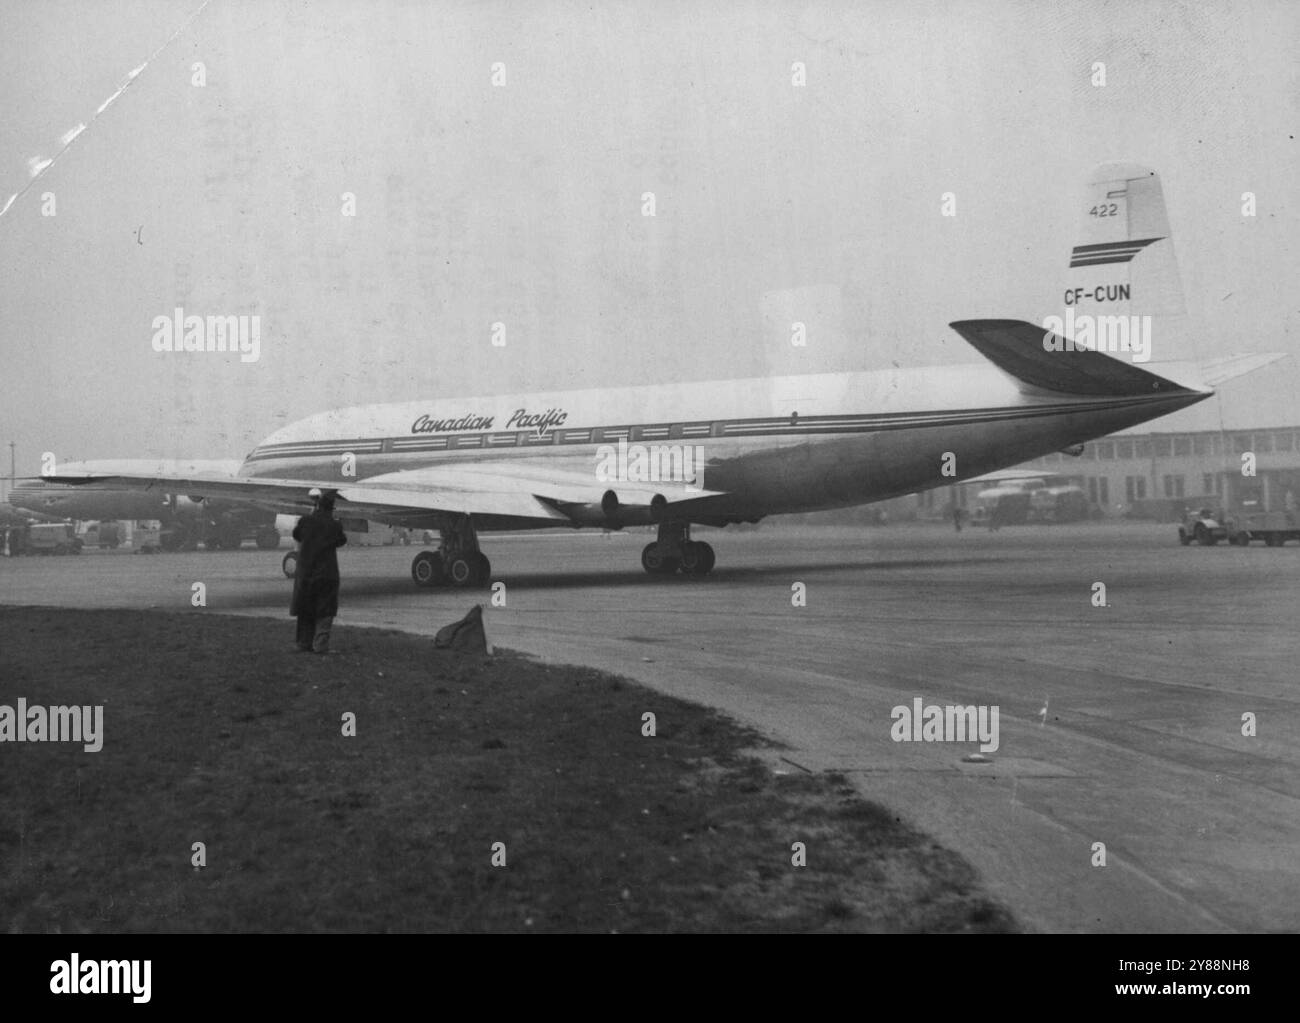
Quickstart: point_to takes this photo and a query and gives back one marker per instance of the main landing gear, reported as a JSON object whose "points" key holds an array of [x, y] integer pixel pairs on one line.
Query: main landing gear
{"points": [[457, 561], [675, 550]]}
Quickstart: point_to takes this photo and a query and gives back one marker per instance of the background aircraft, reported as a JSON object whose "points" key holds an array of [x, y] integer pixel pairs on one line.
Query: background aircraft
{"points": [[186, 521]]}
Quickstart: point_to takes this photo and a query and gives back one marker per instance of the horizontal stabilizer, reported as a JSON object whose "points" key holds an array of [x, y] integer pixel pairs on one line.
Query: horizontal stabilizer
{"points": [[1219, 371], [1040, 359]]}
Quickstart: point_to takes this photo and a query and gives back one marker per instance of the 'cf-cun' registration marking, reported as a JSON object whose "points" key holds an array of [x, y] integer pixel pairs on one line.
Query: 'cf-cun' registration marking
{"points": [[1101, 293]]}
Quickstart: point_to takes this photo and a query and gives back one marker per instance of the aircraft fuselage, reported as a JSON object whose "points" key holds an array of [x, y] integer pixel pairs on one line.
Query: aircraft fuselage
{"points": [[771, 445]]}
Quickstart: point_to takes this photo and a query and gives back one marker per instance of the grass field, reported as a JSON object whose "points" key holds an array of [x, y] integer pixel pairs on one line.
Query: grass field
{"points": [[215, 731]]}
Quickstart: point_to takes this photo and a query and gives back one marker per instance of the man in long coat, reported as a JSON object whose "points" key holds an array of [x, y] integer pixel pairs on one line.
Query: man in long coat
{"points": [[316, 576]]}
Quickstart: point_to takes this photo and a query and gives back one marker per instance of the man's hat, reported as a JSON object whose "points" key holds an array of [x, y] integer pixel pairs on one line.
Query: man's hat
{"points": [[314, 494]]}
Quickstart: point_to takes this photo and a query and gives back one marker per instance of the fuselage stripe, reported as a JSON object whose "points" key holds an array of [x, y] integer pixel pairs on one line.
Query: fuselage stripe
{"points": [[792, 426]]}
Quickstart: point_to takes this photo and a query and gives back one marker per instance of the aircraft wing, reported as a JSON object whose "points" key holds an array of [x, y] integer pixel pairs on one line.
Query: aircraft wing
{"points": [[514, 492]]}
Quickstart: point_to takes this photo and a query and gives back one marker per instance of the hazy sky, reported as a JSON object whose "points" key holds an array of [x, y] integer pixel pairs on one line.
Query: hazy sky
{"points": [[522, 204]]}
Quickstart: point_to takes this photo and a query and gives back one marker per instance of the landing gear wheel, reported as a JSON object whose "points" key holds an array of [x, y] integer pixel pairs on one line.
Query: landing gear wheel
{"points": [[656, 563], [467, 570], [697, 558], [289, 564], [268, 538], [427, 569]]}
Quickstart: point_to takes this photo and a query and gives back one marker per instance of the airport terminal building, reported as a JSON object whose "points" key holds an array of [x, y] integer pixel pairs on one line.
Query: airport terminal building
{"points": [[1238, 451], [1157, 475], [1145, 475]]}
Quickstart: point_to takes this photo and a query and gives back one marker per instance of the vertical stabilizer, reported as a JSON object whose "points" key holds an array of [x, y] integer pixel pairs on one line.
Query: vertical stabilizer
{"points": [[1122, 262]]}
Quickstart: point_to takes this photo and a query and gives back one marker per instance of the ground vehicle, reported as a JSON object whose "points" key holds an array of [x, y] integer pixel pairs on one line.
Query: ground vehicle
{"points": [[1203, 526], [1003, 505], [227, 533], [1274, 528], [146, 536], [101, 534], [1058, 504], [51, 538]]}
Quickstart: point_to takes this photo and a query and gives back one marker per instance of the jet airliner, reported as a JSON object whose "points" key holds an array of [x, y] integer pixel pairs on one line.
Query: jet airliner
{"points": [[721, 452]]}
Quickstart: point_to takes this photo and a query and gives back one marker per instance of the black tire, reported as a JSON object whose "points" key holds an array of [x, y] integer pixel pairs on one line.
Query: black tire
{"points": [[655, 564], [427, 569], [1183, 538], [463, 571], [268, 538], [1203, 536], [697, 558]]}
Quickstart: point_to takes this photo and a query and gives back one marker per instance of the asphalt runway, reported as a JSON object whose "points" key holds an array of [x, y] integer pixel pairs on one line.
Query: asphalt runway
{"points": [[1119, 725]]}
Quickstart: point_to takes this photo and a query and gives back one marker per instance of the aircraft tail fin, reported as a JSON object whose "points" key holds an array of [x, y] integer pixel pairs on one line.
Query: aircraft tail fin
{"points": [[1122, 263]]}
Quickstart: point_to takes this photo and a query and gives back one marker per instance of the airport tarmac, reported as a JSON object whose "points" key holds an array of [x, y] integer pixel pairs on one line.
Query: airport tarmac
{"points": [[1119, 725]]}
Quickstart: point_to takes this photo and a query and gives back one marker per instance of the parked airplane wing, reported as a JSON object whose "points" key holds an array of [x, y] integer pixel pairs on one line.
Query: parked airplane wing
{"points": [[552, 485], [516, 492]]}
